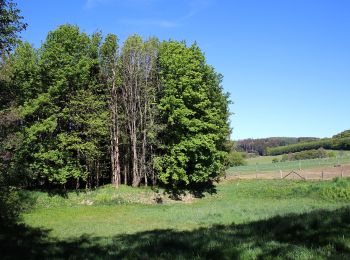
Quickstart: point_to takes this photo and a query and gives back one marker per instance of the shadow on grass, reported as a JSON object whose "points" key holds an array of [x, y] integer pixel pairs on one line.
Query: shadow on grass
{"points": [[197, 191], [318, 234]]}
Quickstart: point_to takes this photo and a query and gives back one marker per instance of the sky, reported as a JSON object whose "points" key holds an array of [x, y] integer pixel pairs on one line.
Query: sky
{"points": [[285, 62]]}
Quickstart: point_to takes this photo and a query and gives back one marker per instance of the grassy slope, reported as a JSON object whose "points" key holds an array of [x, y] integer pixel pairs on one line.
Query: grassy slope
{"points": [[264, 164], [114, 227], [262, 159]]}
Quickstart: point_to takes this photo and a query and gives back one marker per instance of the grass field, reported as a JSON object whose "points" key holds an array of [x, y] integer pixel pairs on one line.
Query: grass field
{"points": [[263, 164], [245, 219], [268, 159]]}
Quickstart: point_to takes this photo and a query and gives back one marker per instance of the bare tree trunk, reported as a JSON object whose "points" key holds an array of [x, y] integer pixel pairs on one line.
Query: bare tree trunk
{"points": [[136, 179], [115, 163], [118, 180], [97, 173]]}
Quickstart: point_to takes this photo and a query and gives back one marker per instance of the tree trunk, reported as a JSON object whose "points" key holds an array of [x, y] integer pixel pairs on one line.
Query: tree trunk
{"points": [[115, 179]]}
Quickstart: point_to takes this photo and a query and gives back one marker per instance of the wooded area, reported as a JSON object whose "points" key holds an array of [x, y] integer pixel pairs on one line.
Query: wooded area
{"points": [[81, 111]]}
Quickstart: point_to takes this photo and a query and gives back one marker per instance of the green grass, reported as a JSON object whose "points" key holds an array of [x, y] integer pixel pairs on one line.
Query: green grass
{"points": [[245, 219], [262, 159], [345, 155], [263, 164]]}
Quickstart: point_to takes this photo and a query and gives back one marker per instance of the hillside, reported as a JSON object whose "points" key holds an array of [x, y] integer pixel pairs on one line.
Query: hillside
{"points": [[259, 146], [283, 145]]}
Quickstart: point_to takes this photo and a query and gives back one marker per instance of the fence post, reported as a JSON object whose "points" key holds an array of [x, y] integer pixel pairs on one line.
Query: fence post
{"points": [[341, 172], [281, 174], [256, 170], [322, 175]]}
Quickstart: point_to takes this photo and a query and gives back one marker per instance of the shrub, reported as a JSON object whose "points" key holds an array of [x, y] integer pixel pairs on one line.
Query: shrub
{"points": [[310, 154], [274, 160], [235, 159]]}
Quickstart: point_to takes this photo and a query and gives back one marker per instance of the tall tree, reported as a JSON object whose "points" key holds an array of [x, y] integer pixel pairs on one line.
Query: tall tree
{"points": [[11, 23], [140, 89], [79, 111], [65, 121], [110, 75], [22, 84], [195, 110]]}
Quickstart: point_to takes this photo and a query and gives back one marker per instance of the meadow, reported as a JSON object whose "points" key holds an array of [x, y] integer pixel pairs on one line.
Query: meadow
{"points": [[264, 164], [246, 219]]}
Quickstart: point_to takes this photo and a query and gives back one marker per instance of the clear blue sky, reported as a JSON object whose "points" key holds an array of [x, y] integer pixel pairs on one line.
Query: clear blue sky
{"points": [[285, 62]]}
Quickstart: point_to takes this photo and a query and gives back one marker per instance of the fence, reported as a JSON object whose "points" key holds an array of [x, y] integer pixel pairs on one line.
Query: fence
{"points": [[313, 169]]}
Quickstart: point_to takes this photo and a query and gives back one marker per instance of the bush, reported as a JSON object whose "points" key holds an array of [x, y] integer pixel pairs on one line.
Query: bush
{"points": [[310, 154], [235, 159], [331, 154], [274, 160]]}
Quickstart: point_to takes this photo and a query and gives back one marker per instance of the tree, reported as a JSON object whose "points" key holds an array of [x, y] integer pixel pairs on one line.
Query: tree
{"points": [[79, 111], [110, 75], [10, 25], [21, 85], [195, 111], [140, 90], [65, 118]]}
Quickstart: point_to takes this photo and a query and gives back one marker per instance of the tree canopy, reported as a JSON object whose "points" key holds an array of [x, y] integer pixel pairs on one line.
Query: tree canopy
{"points": [[86, 111], [11, 23]]}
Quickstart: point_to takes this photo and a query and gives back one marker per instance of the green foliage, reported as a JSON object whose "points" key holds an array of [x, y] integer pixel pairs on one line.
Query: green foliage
{"points": [[235, 159], [10, 26], [195, 111], [343, 134], [326, 143], [331, 154], [63, 107], [259, 146], [304, 155], [13, 201], [274, 160], [10, 206], [76, 103]]}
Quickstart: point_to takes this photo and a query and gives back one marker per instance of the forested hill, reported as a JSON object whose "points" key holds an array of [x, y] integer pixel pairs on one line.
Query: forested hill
{"points": [[260, 146], [339, 141], [343, 134]]}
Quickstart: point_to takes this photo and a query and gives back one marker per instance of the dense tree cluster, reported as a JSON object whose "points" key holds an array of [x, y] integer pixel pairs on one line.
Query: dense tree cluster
{"points": [[326, 143], [259, 146], [81, 111], [343, 134]]}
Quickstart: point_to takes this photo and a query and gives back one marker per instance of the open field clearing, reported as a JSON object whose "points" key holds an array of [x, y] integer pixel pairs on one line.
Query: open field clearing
{"points": [[327, 168], [321, 173], [342, 155], [243, 219]]}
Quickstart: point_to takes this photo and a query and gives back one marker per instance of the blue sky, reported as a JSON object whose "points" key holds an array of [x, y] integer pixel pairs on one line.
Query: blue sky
{"points": [[285, 62]]}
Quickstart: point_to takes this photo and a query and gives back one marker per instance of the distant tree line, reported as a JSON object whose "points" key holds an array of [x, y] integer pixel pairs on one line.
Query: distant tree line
{"points": [[259, 146], [343, 134], [326, 143], [82, 110]]}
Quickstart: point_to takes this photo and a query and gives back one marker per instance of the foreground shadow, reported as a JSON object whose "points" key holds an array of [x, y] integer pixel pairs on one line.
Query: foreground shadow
{"points": [[318, 234]]}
